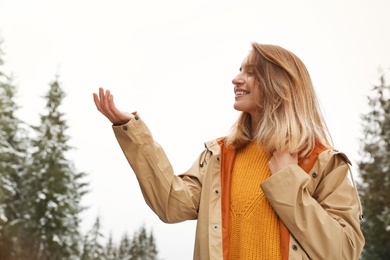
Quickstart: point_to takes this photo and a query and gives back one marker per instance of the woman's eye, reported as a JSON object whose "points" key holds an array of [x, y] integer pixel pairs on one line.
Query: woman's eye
{"points": [[251, 72]]}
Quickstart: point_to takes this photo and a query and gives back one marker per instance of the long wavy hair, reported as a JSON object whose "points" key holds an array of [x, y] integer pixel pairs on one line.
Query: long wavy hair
{"points": [[290, 117]]}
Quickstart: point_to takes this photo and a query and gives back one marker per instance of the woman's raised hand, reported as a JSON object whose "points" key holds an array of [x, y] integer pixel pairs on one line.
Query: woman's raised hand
{"points": [[105, 104]]}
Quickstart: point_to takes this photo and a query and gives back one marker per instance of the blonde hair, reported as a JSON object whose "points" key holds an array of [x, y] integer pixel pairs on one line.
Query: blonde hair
{"points": [[290, 118]]}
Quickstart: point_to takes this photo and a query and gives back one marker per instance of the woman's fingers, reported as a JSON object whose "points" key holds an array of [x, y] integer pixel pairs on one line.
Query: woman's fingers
{"points": [[105, 104], [97, 102], [101, 102], [281, 159], [119, 116]]}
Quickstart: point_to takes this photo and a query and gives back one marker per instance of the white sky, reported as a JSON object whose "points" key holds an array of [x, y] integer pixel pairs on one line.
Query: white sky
{"points": [[173, 61]]}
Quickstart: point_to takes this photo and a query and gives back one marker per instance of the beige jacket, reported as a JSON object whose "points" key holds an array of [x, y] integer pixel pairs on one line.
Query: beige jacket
{"points": [[321, 209]]}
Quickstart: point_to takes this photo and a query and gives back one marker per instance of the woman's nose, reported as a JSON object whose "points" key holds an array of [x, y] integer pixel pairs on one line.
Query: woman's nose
{"points": [[238, 80]]}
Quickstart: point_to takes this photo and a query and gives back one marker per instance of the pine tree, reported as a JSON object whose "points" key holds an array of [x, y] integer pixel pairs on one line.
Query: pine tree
{"points": [[143, 246], [124, 251], [55, 188], [13, 146], [152, 251], [92, 247], [374, 169], [110, 250]]}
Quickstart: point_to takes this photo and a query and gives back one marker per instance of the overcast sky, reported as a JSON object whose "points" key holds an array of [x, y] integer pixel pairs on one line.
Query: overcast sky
{"points": [[173, 62]]}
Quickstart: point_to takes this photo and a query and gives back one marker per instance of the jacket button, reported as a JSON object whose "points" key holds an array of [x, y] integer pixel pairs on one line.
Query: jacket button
{"points": [[314, 174], [294, 247], [125, 127]]}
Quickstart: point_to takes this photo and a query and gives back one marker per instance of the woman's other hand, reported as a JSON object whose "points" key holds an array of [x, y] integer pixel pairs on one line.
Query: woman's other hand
{"points": [[281, 159]]}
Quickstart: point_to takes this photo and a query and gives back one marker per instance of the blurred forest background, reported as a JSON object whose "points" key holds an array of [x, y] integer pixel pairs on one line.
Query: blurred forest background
{"points": [[41, 190]]}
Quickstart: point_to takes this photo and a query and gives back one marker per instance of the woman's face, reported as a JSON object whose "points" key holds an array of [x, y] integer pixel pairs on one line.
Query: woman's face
{"points": [[246, 89]]}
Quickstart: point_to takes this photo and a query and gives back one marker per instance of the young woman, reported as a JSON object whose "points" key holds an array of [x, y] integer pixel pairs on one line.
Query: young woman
{"points": [[274, 188]]}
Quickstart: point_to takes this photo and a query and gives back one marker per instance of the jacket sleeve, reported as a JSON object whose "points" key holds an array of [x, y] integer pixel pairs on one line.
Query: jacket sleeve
{"points": [[325, 223], [173, 198]]}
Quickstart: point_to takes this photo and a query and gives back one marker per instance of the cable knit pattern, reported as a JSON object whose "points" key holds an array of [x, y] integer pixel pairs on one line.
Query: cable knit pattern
{"points": [[254, 225]]}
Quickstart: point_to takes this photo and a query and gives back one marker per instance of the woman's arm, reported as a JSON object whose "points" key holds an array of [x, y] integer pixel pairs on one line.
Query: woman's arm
{"points": [[173, 198], [325, 219]]}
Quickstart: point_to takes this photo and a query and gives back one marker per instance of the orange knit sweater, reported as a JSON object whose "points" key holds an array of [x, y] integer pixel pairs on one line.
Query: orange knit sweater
{"points": [[254, 225], [228, 156]]}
